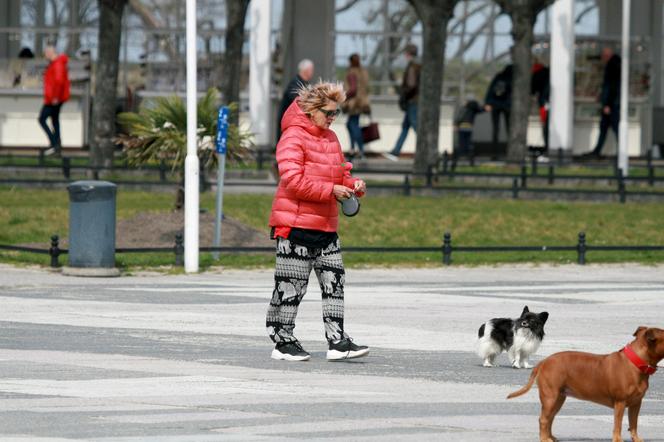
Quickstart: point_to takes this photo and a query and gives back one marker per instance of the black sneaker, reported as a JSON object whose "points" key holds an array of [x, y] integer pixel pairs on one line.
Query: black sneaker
{"points": [[346, 349], [290, 351]]}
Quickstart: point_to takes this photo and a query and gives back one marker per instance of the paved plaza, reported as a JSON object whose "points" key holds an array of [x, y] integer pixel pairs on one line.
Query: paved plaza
{"points": [[186, 358]]}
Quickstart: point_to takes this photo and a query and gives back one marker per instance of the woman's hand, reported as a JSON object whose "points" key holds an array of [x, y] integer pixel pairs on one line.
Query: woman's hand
{"points": [[360, 186], [341, 192]]}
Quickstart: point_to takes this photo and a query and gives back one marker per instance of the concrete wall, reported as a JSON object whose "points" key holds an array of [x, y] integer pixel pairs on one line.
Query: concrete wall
{"points": [[19, 110]]}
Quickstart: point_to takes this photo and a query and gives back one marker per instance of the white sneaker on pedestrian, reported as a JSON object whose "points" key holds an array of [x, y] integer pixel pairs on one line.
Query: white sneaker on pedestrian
{"points": [[390, 157]]}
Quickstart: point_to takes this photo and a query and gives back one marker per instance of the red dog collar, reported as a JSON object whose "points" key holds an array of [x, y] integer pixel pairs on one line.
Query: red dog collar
{"points": [[636, 360]]}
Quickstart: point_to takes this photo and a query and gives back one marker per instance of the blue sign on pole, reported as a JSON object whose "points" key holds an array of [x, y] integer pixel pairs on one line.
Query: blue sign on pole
{"points": [[222, 130]]}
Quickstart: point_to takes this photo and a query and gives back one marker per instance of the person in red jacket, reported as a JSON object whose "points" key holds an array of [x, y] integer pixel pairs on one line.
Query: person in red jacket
{"points": [[56, 92], [304, 219]]}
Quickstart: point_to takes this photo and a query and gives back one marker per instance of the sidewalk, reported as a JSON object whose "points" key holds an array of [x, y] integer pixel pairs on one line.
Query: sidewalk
{"points": [[186, 358]]}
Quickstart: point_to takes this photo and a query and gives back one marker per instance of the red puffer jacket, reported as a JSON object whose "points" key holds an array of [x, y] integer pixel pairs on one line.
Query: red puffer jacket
{"points": [[310, 164], [56, 81]]}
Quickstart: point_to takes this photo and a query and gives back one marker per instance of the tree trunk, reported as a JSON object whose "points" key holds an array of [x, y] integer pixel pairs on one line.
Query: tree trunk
{"points": [[74, 41], [522, 34], [236, 13], [40, 19], [434, 15], [523, 14], [103, 110]]}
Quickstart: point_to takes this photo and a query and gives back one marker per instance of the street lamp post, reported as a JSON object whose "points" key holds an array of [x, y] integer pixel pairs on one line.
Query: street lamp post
{"points": [[191, 163], [623, 146]]}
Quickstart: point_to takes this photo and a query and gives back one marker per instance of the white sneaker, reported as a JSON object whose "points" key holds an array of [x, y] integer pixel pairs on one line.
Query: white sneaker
{"points": [[390, 157]]}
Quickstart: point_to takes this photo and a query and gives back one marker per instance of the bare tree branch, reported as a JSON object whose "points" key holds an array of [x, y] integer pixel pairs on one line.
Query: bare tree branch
{"points": [[459, 22], [475, 35], [152, 22], [584, 12], [349, 4]]}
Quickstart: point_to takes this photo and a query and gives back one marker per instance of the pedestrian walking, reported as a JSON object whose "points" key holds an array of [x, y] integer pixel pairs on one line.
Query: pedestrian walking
{"points": [[304, 220], [357, 102], [56, 93], [408, 95], [609, 99]]}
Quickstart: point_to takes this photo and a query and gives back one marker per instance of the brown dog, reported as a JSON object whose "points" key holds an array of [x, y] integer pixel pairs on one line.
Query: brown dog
{"points": [[618, 380]]}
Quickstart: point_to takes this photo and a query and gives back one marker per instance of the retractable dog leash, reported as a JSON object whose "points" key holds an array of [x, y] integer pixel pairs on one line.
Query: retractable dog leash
{"points": [[351, 205]]}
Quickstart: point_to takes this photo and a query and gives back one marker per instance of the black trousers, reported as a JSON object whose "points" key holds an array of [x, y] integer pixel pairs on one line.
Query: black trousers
{"points": [[495, 120], [51, 111], [611, 120], [465, 144]]}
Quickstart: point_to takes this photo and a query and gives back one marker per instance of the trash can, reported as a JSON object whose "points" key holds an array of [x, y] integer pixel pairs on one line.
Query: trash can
{"points": [[91, 229]]}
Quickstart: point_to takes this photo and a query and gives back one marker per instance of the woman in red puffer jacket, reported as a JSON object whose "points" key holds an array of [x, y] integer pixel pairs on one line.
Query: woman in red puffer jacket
{"points": [[314, 176]]}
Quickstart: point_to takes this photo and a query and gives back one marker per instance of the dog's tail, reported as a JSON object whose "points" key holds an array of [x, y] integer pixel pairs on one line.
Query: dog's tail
{"points": [[526, 387]]}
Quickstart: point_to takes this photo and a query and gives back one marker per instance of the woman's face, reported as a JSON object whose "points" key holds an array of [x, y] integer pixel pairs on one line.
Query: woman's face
{"points": [[324, 116]]}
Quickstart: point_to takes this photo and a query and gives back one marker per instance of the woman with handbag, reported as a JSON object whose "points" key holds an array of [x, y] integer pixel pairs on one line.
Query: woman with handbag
{"points": [[304, 218], [357, 102]]}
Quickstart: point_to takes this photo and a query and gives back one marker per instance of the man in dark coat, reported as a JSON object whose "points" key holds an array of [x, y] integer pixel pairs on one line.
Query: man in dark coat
{"points": [[305, 72], [609, 98], [498, 101]]}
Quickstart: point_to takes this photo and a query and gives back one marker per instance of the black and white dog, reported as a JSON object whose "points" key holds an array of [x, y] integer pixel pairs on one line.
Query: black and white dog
{"points": [[519, 337]]}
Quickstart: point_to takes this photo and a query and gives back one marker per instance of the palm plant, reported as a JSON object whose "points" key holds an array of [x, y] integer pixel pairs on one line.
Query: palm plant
{"points": [[157, 134]]}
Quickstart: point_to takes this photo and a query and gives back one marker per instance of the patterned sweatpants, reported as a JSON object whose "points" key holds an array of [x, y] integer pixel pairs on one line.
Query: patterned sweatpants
{"points": [[291, 276]]}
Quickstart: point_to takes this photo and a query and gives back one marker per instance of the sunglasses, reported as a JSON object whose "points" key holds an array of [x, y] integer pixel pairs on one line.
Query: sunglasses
{"points": [[331, 113]]}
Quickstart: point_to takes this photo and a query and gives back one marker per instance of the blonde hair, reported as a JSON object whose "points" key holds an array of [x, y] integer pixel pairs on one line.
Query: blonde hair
{"points": [[312, 97]]}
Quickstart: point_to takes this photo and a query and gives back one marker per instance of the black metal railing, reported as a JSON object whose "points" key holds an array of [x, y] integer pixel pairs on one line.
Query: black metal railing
{"points": [[525, 182], [447, 249]]}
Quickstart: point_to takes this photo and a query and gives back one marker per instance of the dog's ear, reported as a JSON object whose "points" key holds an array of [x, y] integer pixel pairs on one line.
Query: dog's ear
{"points": [[525, 310], [638, 330], [543, 317], [650, 336]]}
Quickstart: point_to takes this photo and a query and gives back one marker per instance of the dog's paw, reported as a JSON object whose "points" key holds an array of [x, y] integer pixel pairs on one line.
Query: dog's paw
{"points": [[527, 365], [487, 364], [515, 365]]}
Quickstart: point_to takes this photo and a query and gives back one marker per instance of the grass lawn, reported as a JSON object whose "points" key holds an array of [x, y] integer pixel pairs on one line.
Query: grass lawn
{"points": [[31, 216]]}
